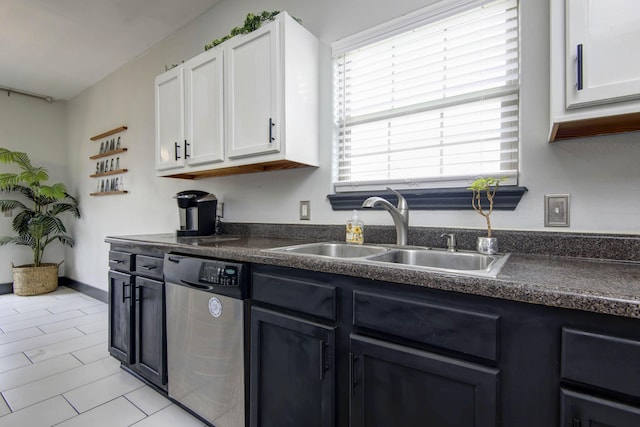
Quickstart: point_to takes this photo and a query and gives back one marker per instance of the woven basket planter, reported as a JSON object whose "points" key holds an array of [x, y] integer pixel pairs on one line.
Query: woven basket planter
{"points": [[30, 280]]}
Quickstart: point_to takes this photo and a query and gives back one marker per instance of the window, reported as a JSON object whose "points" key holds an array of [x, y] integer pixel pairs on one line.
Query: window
{"points": [[430, 99]]}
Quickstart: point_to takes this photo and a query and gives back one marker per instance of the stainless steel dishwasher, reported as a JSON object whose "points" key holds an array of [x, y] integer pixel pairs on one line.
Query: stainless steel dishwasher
{"points": [[206, 337]]}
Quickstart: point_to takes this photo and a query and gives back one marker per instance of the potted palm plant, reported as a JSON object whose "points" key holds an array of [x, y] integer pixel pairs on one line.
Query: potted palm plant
{"points": [[38, 220], [485, 187]]}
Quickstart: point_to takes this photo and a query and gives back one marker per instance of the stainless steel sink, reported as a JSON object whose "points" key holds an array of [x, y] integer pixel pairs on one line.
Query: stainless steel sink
{"points": [[470, 263], [332, 250]]}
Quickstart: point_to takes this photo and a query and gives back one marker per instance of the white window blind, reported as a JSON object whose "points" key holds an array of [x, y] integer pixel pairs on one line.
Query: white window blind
{"points": [[435, 105]]}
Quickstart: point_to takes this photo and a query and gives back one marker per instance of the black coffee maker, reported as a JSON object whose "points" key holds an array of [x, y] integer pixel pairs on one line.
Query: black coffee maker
{"points": [[197, 211]]}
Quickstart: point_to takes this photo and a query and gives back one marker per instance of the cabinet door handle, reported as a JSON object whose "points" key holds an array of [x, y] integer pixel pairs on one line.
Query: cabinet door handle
{"points": [[176, 147], [271, 125], [579, 67], [353, 382], [124, 286], [115, 261], [186, 145], [323, 364]]}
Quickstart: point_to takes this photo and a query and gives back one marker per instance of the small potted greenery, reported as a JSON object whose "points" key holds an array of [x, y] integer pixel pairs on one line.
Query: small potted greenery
{"points": [[37, 222], [485, 187]]}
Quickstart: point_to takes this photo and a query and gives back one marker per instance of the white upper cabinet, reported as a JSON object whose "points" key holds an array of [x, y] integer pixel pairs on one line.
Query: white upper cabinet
{"points": [[169, 119], [252, 88], [255, 111], [189, 114], [602, 51], [204, 131], [595, 67]]}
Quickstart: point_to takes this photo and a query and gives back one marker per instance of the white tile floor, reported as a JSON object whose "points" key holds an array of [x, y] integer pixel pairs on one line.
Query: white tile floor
{"points": [[55, 369]]}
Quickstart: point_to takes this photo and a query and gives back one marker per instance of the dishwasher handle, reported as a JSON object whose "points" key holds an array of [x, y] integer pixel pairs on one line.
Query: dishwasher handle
{"points": [[197, 285]]}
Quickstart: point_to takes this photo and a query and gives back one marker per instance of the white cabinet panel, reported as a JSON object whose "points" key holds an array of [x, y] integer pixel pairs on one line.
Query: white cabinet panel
{"points": [[204, 138], [252, 93], [607, 32], [169, 119]]}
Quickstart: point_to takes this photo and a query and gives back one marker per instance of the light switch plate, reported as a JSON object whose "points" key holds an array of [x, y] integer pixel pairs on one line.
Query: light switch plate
{"points": [[556, 210], [305, 210]]}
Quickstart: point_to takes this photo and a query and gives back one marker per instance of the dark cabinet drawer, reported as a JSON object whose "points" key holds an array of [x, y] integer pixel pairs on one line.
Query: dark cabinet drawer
{"points": [[577, 409], [456, 329], [603, 361], [149, 266], [305, 296], [122, 261]]}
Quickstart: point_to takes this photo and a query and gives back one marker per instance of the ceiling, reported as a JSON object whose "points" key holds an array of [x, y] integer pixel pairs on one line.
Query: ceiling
{"points": [[58, 48]]}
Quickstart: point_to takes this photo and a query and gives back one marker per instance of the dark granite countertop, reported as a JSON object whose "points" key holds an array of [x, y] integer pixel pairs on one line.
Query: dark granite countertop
{"points": [[601, 286]]}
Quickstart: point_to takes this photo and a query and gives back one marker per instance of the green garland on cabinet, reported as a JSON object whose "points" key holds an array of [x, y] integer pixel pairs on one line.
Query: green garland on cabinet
{"points": [[251, 23]]}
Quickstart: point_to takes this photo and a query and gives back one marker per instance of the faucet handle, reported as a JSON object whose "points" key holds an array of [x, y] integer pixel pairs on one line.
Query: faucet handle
{"points": [[451, 241], [402, 202]]}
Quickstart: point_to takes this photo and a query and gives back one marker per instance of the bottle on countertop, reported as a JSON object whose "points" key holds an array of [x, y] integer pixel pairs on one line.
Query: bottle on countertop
{"points": [[355, 230]]}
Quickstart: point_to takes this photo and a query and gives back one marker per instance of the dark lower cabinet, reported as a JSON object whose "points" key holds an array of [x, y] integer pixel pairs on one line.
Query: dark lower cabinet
{"points": [[292, 371], [121, 317], [137, 330], [394, 385], [582, 410], [150, 330]]}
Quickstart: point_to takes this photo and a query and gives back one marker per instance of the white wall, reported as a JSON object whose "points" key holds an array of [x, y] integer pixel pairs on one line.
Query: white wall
{"points": [[39, 129], [600, 173]]}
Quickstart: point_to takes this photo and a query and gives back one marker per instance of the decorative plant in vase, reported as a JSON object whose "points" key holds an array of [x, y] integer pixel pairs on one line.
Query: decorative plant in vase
{"points": [[485, 187], [37, 222]]}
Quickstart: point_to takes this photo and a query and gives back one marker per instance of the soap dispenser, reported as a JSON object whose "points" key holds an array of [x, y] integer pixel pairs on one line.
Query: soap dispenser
{"points": [[355, 230]]}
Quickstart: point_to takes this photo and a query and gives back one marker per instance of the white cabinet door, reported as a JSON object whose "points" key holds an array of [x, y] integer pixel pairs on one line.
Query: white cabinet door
{"points": [[251, 91], [204, 132], [608, 34], [169, 119]]}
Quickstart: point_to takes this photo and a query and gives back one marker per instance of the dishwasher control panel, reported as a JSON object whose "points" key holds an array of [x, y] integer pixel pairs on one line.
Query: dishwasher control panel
{"points": [[209, 275], [220, 274]]}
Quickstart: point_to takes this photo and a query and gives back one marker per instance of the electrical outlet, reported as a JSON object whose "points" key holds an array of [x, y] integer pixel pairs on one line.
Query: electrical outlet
{"points": [[556, 210], [305, 210], [220, 209]]}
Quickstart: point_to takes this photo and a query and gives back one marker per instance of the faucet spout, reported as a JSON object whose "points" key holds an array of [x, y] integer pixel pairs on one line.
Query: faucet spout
{"points": [[399, 214]]}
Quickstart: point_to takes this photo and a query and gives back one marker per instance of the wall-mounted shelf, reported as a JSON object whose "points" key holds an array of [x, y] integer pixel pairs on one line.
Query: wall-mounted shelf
{"points": [[107, 168], [108, 193], [108, 153], [115, 172], [108, 133]]}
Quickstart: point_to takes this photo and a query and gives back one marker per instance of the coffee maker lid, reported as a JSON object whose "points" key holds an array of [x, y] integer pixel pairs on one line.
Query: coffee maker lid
{"points": [[208, 198]]}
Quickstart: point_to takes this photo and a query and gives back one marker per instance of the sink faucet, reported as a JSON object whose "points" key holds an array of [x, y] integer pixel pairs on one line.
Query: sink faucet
{"points": [[451, 242], [399, 214]]}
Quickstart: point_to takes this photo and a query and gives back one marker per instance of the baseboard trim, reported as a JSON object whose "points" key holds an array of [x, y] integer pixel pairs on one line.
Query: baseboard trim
{"points": [[99, 294], [96, 293], [6, 288]]}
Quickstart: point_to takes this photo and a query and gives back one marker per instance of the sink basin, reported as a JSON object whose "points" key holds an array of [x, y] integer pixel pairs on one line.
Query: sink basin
{"points": [[333, 250], [470, 263], [447, 261]]}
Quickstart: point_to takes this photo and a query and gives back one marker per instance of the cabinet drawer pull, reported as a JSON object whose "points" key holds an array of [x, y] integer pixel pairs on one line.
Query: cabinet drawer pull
{"points": [[115, 261], [579, 67], [176, 147], [271, 125], [148, 267], [186, 145]]}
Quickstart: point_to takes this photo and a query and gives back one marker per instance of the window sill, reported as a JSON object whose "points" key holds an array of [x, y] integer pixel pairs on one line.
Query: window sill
{"points": [[506, 199]]}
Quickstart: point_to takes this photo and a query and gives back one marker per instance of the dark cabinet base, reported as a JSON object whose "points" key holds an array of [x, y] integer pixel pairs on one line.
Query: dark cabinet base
{"points": [[292, 371], [393, 385]]}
